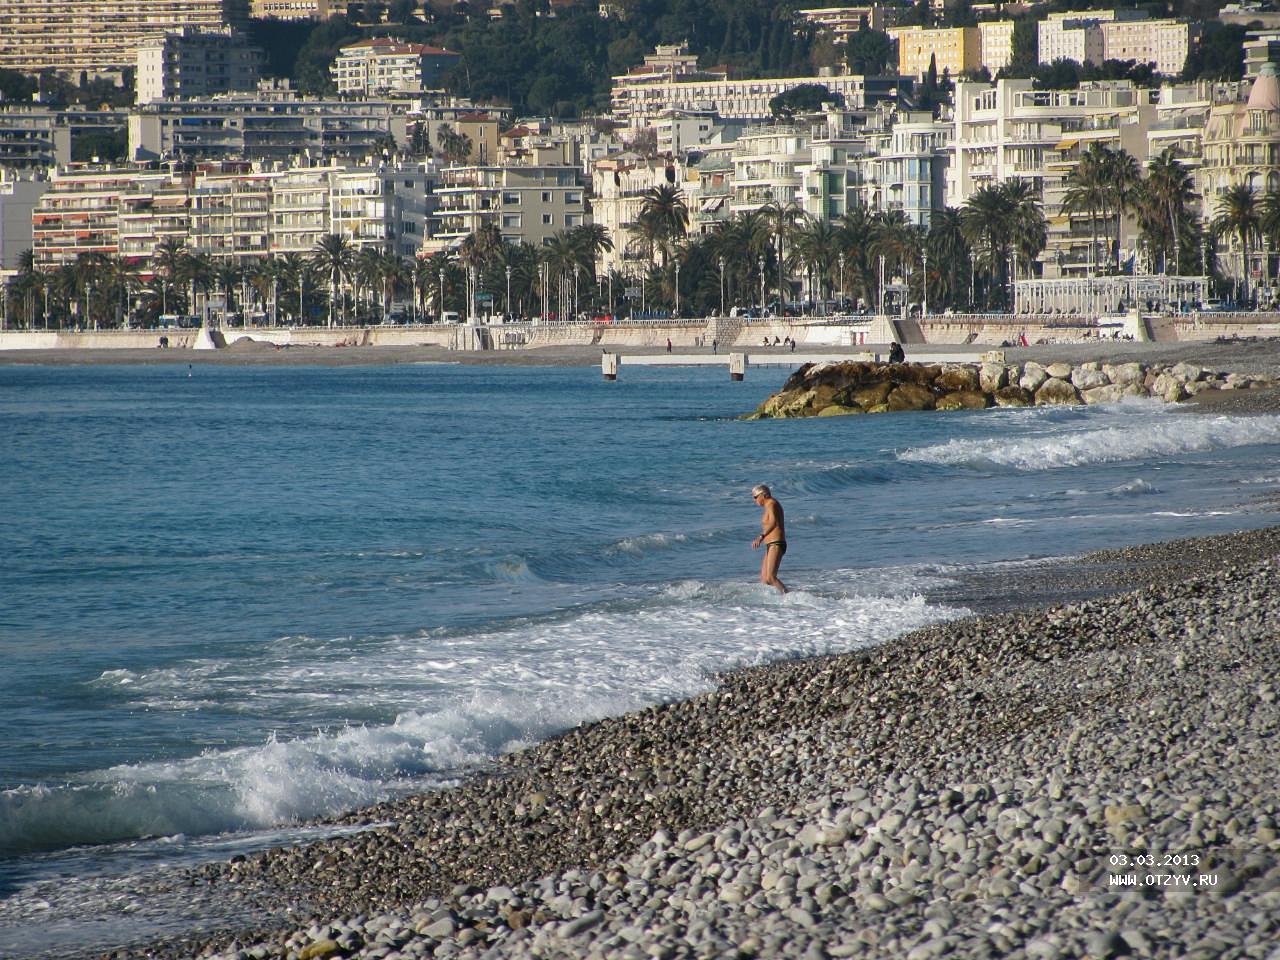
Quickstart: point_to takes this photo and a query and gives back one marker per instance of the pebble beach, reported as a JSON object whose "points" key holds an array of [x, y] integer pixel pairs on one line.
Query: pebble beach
{"points": [[1087, 767], [973, 789]]}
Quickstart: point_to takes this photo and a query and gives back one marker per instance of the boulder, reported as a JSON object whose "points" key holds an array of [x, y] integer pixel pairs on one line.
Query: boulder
{"points": [[957, 378], [964, 400], [1107, 393], [1033, 376], [837, 410], [1084, 378], [1169, 388], [910, 396], [1060, 370], [1055, 390], [993, 376], [1202, 386], [1012, 396], [1123, 373], [870, 395], [917, 373], [1187, 372]]}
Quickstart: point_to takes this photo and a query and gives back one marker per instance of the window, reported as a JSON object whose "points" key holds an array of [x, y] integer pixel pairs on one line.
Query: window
{"points": [[511, 221], [546, 196], [511, 199], [573, 196], [546, 219]]}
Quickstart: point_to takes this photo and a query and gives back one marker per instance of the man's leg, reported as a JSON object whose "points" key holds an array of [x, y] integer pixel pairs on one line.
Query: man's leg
{"points": [[769, 570]]}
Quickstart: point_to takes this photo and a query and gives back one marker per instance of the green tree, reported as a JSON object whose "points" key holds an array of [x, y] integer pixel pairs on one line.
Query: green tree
{"points": [[333, 257], [1237, 216], [664, 217]]}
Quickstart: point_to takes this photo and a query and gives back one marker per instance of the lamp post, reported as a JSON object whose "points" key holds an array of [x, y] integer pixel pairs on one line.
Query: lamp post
{"points": [[508, 272], [677, 288], [441, 291], [760, 263], [721, 286], [840, 260], [924, 285], [881, 283], [88, 303]]}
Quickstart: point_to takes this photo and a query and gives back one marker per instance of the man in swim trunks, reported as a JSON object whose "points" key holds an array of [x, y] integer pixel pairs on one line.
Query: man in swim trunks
{"points": [[773, 536]]}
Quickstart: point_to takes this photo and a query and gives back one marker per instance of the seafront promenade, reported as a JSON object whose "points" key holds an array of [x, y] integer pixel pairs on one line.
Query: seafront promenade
{"points": [[851, 333]]}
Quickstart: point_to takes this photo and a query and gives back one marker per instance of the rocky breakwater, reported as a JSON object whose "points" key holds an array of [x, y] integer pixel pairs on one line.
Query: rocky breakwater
{"points": [[837, 389]]}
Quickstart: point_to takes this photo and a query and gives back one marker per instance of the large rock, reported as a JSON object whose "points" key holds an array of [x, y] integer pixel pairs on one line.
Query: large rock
{"points": [[1187, 372], [1107, 393], [993, 376], [873, 394], [1123, 373], [957, 378], [836, 410], [1169, 388], [1013, 396], [1088, 377], [910, 396], [917, 373], [1033, 376], [1055, 390], [1060, 370], [964, 400]]}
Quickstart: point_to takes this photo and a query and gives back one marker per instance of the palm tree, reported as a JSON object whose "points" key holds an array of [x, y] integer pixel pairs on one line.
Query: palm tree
{"points": [[1028, 231], [664, 216], [166, 262], [783, 219], [561, 254], [333, 256], [393, 274], [295, 274], [226, 275], [1269, 221], [1087, 193], [816, 246], [986, 222], [593, 241], [1237, 213], [366, 272], [1122, 177], [950, 254], [1162, 207], [196, 273]]}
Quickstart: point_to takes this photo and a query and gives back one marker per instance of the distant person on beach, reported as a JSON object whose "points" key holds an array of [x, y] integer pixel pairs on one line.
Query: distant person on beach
{"points": [[773, 536], [668, 344], [896, 354]]}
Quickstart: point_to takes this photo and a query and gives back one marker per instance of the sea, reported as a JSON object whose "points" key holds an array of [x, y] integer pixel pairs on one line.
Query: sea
{"points": [[234, 599]]}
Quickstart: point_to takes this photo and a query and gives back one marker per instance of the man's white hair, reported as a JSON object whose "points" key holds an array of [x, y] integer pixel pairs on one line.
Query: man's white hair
{"points": [[761, 489]]}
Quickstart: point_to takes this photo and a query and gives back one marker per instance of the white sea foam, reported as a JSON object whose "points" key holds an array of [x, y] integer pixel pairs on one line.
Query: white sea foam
{"points": [[1123, 436], [451, 700]]}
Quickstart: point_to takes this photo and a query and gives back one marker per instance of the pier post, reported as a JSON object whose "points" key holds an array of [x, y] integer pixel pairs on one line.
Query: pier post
{"points": [[609, 365], [737, 366]]}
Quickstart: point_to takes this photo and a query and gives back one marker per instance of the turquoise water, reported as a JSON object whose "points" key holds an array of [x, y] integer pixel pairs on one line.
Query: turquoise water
{"points": [[243, 597]]}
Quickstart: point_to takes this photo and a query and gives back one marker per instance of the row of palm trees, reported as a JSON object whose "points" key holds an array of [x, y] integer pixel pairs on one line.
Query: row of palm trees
{"points": [[966, 259]]}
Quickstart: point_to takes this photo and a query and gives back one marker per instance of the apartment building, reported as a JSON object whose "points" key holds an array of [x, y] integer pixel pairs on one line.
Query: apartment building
{"points": [[618, 186], [195, 63], [19, 194], [99, 37], [528, 204], [231, 211], [1164, 44], [263, 127], [767, 165], [33, 137], [670, 80], [840, 23], [904, 163], [152, 209], [381, 66], [995, 44], [1260, 46], [1072, 36], [80, 212], [294, 9], [386, 208], [953, 50]]}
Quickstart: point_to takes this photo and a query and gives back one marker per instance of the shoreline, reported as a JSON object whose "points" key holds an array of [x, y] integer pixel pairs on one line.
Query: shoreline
{"points": [[525, 854]]}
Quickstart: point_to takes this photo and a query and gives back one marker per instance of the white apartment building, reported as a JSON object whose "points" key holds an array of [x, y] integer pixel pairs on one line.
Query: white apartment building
{"points": [[380, 66], [904, 165], [231, 211], [152, 209], [99, 37], [840, 23], [1162, 43], [645, 95], [767, 164], [264, 126], [528, 204], [294, 9], [35, 137], [1095, 36], [618, 186], [195, 63], [385, 208]]}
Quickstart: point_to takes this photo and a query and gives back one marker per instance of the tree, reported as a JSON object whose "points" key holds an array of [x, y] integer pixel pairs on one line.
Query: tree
{"points": [[950, 255], [1087, 193], [333, 256], [805, 98], [1000, 222], [454, 145], [1161, 204], [1237, 215], [870, 51], [664, 217]]}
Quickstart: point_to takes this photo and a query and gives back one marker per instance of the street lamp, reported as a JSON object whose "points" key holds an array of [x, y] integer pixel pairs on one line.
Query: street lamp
{"points": [[760, 264], [722, 286], [577, 268], [88, 302], [924, 285], [441, 292], [882, 283], [508, 272], [677, 288], [840, 260]]}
